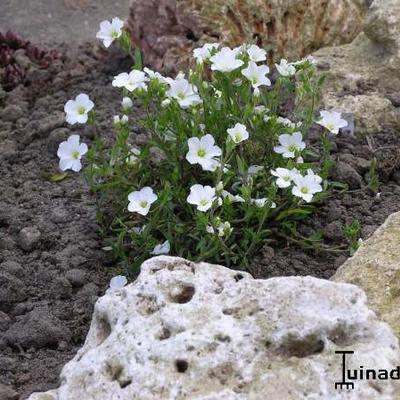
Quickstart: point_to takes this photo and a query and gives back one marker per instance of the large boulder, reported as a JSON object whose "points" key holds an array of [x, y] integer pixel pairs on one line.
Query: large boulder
{"points": [[168, 30], [202, 331], [363, 77], [375, 267]]}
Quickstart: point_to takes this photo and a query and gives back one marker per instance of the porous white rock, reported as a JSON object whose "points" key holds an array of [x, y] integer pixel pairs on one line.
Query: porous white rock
{"points": [[199, 331]]}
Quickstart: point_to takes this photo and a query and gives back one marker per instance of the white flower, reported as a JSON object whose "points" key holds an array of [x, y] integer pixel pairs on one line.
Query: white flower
{"points": [[134, 80], [238, 133], [77, 110], [70, 153], [118, 282], [109, 31], [233, 198], [239, 50], [209, 229], [259, 202], [316, 177], [260, 109], [254, 170], [204, 53], [225, 60], [201, 196], [163, 248], [256, 54], [141, 201], [332, 121], [306, 186], [285, 176], [287, 122], [120, 120], [290, 144], [285, 68], [127, 103], [203, 151], [224, 229], [256, 74], [133, 157], [266, 118], [154, 76], [183, 92], [300, 160], [165, 103]]}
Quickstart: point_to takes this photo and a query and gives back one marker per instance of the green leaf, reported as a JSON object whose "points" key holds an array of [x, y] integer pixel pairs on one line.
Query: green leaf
{"points": [[301, 212], [57, 177]]}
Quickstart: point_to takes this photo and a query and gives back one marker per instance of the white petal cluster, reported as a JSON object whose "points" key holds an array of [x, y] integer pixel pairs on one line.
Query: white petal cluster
{"points": [[285, 69], [225, 60], [109, 31], [306, 186], [131, 81], [203, 151], [256, 54], [141, 200], [70, 153], [332, 120], [77, 110], [154, 75], [202, 54], [183, 92], [202, 197], [256, 74], [285, 176], [118, 282], [126, 103], [163, 248], [238, 133], [290, 144]]}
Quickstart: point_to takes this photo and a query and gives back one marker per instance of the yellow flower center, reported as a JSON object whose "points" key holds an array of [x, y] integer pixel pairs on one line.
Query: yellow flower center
{"points": [[201, 152], [75, 154], [81, 110], [143, 204], [304, 190], [203, 202], [292, 148]]}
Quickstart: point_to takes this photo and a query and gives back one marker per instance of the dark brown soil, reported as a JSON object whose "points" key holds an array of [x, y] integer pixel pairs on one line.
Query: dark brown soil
{"points": [[52, 268], [353, 159]]}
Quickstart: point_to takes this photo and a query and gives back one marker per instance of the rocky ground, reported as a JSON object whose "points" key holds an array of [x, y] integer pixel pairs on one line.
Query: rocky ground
{"points": [[50, 22], [52, 268]]}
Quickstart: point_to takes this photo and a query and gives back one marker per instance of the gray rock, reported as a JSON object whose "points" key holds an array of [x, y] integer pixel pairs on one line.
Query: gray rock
{"points": [[201, 332], [11, 113], [76, 277], [28, 238], [347, 174], [363, 75], [334, 231], [5, 322], [37, 329], [12, 290], [12, 267]]}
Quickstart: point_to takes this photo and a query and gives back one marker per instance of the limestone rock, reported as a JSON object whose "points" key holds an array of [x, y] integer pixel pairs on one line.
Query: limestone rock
{"points": [[363, 76], [204, 332], [375, 267], [168, 30]]}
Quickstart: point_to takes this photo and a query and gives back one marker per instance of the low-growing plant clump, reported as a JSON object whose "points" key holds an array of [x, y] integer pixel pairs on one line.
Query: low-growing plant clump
{"points": [[12, 48], [225, 169]]}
